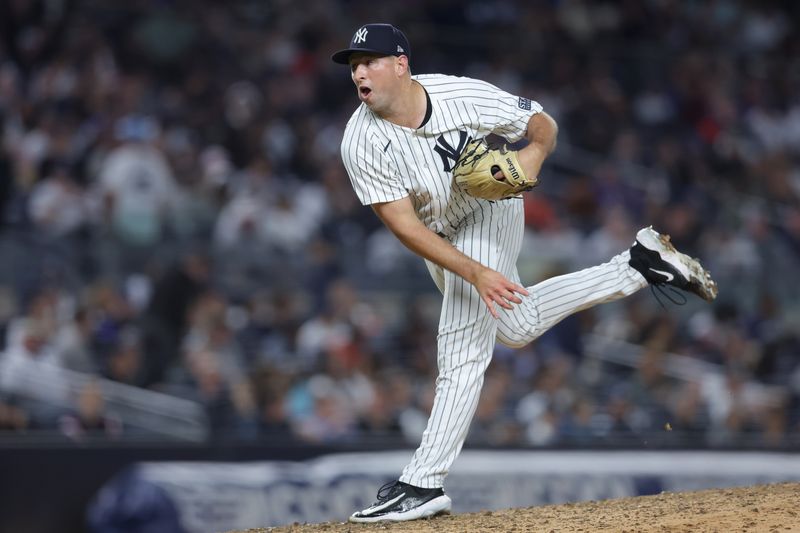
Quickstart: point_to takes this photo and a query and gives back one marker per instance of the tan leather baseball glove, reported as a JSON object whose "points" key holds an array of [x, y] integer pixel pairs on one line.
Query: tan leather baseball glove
{"points": [[477, 165]]}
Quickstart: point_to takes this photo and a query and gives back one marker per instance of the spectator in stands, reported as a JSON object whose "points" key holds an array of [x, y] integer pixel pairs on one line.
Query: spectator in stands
{"points": [[250, 193], [689, 416], [216, 375], [270, 386], [623, 425], [12, 418], [493, 424], [124, 362], [379, 418], [31, 349], [110, 314], [32, 373], [164, 321], [409, 400], [269, 335], [138, 191], [539, 410], [58, 205], [73, 341], [90, 418], [329, 418], [582, 425], [331, 326]]}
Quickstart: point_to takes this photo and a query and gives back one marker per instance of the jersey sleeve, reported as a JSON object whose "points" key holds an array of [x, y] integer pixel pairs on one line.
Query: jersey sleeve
{"points": [[372, 174], [505, 114]]}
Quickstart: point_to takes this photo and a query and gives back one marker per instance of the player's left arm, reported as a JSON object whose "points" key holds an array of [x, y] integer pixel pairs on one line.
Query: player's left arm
{"points": [[541, 134]]}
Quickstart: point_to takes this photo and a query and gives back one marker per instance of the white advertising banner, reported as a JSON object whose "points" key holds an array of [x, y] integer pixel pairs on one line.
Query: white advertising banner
{"points": [[211, 497]]}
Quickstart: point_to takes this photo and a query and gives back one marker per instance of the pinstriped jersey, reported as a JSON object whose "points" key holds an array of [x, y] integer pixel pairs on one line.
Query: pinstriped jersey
{"points": [[388, 162]]}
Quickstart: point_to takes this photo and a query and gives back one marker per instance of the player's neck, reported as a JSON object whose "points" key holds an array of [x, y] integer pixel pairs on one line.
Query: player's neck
{"points": [[408, 109]]}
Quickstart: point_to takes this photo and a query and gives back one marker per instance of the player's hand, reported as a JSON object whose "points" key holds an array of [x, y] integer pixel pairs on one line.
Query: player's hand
{"points": [[494, 288]]}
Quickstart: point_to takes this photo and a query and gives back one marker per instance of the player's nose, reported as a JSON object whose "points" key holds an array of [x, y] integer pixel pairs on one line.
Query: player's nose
{"points": [[359, 71]]}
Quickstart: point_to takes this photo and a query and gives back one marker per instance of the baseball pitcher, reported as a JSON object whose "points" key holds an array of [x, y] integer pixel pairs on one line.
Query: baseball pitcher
{"points": [[415, 151]]}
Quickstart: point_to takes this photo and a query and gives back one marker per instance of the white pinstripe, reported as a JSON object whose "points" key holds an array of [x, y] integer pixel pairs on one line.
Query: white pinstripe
{"points": [[386, 162]]}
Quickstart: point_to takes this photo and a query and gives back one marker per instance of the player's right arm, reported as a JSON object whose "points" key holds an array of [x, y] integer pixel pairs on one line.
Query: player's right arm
{"points": [[494, 288], [376, 182]]}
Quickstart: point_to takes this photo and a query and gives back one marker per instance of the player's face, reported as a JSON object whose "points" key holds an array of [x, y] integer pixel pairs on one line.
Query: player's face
{"points": [[376, 78]]}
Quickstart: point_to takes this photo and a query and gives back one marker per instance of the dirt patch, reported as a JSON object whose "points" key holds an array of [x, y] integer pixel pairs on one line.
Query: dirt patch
{"points": [[763, 508]]}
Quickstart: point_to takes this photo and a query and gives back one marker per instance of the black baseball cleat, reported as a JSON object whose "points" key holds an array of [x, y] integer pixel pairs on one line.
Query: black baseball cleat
{"points": [[661, 264], [398, 501]]}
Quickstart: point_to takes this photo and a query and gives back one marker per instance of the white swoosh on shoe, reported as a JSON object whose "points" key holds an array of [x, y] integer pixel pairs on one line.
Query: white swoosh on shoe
{"points": [[668, 275], [384, 505]]}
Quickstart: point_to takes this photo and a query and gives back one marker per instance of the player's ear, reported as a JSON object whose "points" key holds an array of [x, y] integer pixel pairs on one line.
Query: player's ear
{"points": [[401, 66]]}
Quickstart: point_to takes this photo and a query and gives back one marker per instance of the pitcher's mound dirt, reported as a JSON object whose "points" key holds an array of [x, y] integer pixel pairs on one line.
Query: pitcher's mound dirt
{"points": [[764, 508]]}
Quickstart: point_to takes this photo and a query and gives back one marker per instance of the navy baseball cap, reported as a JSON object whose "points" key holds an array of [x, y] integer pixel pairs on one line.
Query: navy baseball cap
{"points": [[383, 39]]}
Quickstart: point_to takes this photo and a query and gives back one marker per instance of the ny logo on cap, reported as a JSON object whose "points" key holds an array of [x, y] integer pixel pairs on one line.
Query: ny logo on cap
{"points": [[360, 36]]}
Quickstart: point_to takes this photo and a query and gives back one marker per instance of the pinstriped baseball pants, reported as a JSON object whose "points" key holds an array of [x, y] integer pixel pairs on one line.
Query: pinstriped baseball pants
{"points": [[467, 331]]}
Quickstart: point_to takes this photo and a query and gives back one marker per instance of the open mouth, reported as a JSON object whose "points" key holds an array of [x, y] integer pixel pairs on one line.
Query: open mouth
{"points": [[364, 91]]}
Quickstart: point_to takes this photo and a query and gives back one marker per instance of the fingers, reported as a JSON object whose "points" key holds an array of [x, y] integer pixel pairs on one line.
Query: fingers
{"points": [[490, 306], [496, 290], [511, 297], [520, 289], [507, 297], [490, 301], [504, 299], [508, 293]]}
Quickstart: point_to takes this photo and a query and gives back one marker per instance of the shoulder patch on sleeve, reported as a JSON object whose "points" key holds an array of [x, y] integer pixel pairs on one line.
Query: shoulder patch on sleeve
{"points": [[524, 103]]}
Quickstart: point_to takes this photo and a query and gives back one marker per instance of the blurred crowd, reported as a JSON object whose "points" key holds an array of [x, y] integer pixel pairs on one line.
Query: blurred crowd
{"points": [[174, 216]]}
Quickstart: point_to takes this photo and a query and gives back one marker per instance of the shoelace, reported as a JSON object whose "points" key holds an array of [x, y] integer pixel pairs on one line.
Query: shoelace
{"points": [[661, 287], [386, 490]]}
